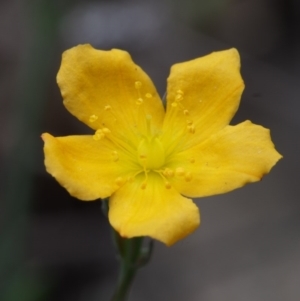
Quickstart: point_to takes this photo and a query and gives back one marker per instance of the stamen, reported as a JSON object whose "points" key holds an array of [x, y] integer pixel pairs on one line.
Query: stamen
{"points": [[119, 181], [168, 172], [118, 140], [178, 97], [168, 185], [164, 174], [139, 101], [143, 157], [115, 156], [186, 112], [188, 176], [137, 84], [148, 95], [174, 104], [98, 135], [108, 109], [106, 131], [192, 160], [144, 185], [191, 129], [179, 171], [93, 118]]}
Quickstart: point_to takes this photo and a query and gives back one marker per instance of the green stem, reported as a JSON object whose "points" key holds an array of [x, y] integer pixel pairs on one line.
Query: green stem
{"points": [[129, 251], [126, 278], [132, 255]]}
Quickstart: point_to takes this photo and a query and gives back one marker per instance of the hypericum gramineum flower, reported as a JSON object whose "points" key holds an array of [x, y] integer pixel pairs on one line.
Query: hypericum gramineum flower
{"points": [[148, 160]]}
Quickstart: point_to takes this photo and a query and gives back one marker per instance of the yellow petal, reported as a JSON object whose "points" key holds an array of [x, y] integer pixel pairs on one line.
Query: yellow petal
{"points": [[155, 211], [86, 168], [228, 160], [106, 88], [202, 97]]}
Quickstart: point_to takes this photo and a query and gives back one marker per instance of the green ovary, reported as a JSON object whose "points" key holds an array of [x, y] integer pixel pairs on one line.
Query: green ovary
{"points": [[151, 153]]}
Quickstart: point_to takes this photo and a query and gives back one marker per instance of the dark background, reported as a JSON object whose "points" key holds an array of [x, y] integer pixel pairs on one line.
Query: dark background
{"points": [[54, 247]]}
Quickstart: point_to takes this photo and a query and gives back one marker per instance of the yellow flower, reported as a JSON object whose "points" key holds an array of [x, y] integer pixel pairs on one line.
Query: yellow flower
{"points": [[148, 160]]}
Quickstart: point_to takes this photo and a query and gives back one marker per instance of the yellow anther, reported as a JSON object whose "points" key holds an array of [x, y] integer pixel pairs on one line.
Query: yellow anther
{"points": [[168, 172], [148, 95], [115, 156], [188, 176], [192, 160], [137, 84], [178, 97], [93, 118], [179, 92], [186, 112], [139, 101], [143, 157], [189, 122], [174, 104], [107, 108], [144, 185], [98, 135], [119, 181], [168, 185], [191, 129], [179, 171], [105, 131]]}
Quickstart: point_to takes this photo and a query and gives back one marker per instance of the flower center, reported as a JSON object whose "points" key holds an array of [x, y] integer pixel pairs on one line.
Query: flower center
{"points": [[151, 153]]}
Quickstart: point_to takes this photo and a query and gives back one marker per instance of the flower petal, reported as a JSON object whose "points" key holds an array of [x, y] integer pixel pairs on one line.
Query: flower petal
{"points": [[155, 211], [106, 88], [86, 168], [228, 160], [202, 97]]}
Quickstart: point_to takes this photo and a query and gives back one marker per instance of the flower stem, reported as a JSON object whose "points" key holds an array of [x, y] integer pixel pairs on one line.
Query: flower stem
{"points": [[132, 254], [128, 267]]}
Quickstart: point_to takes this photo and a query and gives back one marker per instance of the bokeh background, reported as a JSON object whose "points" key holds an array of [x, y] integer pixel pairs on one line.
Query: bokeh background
{"points": [[54, 247]]}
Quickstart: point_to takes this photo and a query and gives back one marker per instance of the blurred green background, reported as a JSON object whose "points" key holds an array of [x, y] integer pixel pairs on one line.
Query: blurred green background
{"points": [[54, 247]]}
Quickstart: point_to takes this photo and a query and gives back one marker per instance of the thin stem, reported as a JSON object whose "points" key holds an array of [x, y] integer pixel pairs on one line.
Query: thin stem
{"points": [[126, 277], [130, 251], [132, 255]]}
